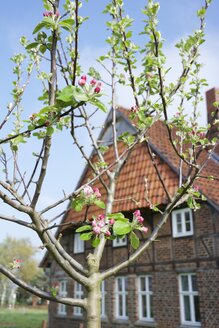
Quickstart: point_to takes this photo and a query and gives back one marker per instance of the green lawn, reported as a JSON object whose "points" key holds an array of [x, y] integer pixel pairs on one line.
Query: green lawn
{"points": [[22, 318]]}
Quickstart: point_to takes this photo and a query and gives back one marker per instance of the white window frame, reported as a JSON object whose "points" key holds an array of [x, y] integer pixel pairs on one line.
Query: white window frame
{"points": [[103, 299], [191, 293], [78, 244], [182, 212], [118, 242], [78, 293], [121, 297], [62, 309], [147, 293]]}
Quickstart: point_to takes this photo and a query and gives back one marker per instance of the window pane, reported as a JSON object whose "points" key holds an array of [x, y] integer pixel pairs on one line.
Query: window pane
{"points": [[126, 307], [144, 307], [151, 306], [187, 221], [119, 284], [187, 311], [194, 283], [197, 312], [178, 222], [120, 306], [150, 284], [185, 283], [126, 283], [143, 284]]}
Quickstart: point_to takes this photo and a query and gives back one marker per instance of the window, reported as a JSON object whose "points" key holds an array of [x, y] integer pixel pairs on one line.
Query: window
{"points": [[63, 293], [182, 222], [145, 298], [103, 299], [121, 297], [189, 300], [78, 293], [120, 241], [78, 244]]}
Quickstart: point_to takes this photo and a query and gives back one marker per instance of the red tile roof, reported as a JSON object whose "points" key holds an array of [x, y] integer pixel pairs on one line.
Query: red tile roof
{"points": [[131, 190]]}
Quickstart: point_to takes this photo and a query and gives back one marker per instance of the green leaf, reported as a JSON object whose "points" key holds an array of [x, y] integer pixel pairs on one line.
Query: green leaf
{"points": [[86, 235], [100, 203], [47, 109], [67, 24], [49, 130], [121, 227], [116, 216], [134, 240], [47, 22], [95, 242], [32, 45], [77, 204], [83, 228], [79, 94], [66, 94], [96, 102], [39, 27]]}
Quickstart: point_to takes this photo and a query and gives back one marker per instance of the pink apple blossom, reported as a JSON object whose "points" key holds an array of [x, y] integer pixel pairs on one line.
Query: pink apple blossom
{"points": [[108, 233], [111, 221], [101, 224], [140, 219], [101, 217], [96, 230], [144, 229], [137, 213], [97, 192], [88, 191], [196, 188]]}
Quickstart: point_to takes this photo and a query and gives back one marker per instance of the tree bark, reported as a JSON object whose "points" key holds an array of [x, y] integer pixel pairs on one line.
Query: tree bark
{"points": [[3, 295], [93, 306]]}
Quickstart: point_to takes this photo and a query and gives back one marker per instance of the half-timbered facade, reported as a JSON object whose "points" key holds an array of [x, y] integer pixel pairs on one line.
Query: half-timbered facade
{"points": [[175, 283]]}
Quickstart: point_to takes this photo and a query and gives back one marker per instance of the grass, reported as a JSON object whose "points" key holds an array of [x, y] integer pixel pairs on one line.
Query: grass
{"points": [[22, 318]]}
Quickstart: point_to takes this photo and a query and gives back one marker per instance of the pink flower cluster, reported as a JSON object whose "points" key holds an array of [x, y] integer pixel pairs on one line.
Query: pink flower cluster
{"points": [[17, 263], [102, 225], [134, 109], [138, 220], [51, 14], [196, 188], [96, 85], [89, 191]]}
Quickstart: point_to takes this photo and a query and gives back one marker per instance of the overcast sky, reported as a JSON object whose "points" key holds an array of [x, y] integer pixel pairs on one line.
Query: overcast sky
{"points": [[177, 19]]}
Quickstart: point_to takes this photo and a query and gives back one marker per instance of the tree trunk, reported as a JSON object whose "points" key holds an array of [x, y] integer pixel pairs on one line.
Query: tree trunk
{"points": [[3, 295], [93, 306]]}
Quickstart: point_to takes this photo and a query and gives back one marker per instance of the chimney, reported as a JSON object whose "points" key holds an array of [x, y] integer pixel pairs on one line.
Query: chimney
{"points": [[212, 96]]}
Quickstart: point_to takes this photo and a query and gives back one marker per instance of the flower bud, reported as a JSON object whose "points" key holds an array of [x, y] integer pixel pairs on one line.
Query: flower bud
{"points": [[84, 77], [82, 82], [93, 82], [144, 229], [137, 213], [107, 233], [96, 230], [97, 192], [101, 217], [111, 221], [140, 219], [97, 90]]}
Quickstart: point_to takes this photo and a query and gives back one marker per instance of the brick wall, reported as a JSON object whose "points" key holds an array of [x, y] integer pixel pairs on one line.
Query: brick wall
{"points": [[208, 281], [164, 260]]}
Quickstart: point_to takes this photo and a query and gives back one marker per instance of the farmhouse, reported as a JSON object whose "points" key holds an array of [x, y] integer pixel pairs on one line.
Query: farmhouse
{"points": [[176, 282]]}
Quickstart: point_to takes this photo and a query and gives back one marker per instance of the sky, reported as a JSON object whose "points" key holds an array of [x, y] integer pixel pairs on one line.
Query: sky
{"points": [[176, 20]]}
